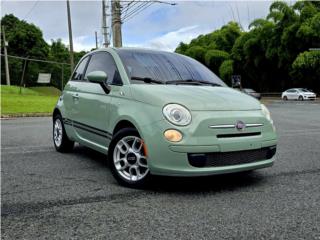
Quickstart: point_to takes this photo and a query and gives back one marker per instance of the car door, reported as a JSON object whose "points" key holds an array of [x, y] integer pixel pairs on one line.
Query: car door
{"points": [[291, 94], [71, 97], [295, 94], [94, 103]]}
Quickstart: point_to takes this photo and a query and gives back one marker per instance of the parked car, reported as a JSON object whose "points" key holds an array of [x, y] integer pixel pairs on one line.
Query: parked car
{"points": [[298, 94], [252, 93], [160, 113]]}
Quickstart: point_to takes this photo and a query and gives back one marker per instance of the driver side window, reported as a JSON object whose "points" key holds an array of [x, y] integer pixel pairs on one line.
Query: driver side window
{"points": [[103, 61]]}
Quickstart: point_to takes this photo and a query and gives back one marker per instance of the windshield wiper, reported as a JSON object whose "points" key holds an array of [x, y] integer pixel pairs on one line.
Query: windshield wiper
{"points": [[146, 80], [192, 81]]}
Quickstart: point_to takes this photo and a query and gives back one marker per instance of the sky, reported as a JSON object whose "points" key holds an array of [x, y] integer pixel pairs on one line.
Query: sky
{"points": [[160, 26]]}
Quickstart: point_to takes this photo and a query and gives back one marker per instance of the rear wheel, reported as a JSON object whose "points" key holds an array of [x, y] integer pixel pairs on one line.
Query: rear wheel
{"points": [[60, 139], [128, 159], [285, 98], [300, 98]]}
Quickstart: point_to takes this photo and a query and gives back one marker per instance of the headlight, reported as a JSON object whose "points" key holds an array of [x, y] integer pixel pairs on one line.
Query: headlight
{"points": [[267, 114], [177, 114]]}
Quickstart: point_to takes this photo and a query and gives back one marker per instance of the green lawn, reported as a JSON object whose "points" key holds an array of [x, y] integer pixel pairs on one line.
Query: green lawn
{"points": [[34, 100]]}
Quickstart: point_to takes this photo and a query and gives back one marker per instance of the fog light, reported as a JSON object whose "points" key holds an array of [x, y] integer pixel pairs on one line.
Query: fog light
{"points": [[173, 135]]}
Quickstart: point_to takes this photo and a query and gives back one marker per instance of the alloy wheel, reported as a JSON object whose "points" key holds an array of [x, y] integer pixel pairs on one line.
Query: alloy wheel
{"points": [[130, 159], [57, 132]]}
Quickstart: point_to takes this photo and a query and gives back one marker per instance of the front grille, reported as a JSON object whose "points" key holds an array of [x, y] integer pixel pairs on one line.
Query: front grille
{"points": [[220, 159], [233, 135]]}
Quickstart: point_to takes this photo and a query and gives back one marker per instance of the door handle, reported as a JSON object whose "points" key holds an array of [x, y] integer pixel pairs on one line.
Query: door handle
{"points": [[75, 96]]}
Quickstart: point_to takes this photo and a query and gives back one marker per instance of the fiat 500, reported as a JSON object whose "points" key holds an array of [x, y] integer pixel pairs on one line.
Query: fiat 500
{"points": [[161, 113]]}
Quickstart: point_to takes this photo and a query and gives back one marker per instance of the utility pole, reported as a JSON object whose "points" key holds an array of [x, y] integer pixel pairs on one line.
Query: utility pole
{"points": [[105, 31], [5, 44], [23, 73], [116, 23], [70, 37], [96, 37]]}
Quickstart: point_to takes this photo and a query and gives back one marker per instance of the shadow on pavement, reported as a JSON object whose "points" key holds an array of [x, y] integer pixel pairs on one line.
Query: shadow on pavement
{"points": [[216, 183], [90, 155]]}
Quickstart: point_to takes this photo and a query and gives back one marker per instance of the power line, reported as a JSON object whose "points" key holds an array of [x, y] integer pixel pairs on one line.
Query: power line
{"points": [[133, 8], [127, 7], [137, 12], [36, 60], [122, 13], [31, 9]]}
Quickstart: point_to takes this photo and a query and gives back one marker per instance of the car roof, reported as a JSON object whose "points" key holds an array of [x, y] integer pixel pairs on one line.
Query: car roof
{"points": [[144, 50], [130, 49]]}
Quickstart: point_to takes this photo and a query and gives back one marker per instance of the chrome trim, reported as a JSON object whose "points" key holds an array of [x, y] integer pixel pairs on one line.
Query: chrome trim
{"points": [[254, 125], [225, 126]]}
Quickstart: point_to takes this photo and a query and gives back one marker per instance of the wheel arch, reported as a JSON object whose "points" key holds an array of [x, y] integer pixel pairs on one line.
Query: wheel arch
{"points": [[55, 112], [124, 123]]}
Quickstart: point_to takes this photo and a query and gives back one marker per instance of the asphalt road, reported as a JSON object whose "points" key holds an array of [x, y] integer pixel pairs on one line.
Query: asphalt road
{"points": [[49, 195]]}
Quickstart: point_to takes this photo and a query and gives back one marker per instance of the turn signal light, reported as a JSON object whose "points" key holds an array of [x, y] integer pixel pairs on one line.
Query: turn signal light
{"points": [[173, 135]]}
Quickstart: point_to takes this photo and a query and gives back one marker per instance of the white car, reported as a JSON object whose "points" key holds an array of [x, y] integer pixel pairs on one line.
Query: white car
{"points": [[298, 94]]}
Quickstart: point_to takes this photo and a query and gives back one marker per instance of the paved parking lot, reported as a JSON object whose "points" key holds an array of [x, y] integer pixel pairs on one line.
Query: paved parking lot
{"points": [[49, 195]]}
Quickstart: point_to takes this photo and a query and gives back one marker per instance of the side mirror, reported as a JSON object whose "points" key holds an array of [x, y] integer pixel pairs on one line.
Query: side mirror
{"points": [[97, 77], [101, 78]]}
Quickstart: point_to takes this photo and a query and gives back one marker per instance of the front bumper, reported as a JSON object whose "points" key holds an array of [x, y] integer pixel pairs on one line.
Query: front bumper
{"points": [[166, 158], [309, 97]]}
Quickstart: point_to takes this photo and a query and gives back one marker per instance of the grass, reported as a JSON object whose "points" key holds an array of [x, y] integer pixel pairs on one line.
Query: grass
{"points": [[31, 101]]}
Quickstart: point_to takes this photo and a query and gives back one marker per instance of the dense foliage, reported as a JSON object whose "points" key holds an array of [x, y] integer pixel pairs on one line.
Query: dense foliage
{"points": [[272, 56], [26, 40]]}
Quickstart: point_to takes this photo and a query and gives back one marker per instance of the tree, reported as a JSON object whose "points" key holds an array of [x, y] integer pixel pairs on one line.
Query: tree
{"points": [[196, 52], [268, 56], [214, 58], [306, 69], [26, 40], [226, 71]]}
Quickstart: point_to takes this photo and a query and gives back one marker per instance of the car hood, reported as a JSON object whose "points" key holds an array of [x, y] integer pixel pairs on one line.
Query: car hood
{"points": [[194, 97]]}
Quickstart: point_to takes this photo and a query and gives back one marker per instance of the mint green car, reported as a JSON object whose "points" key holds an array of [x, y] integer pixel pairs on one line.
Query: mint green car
{"points": [[160, 113]]}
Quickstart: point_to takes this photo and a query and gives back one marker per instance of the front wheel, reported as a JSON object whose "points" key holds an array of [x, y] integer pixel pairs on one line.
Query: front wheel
{"points": [[300, 98], [60, 139], [128, 159]]}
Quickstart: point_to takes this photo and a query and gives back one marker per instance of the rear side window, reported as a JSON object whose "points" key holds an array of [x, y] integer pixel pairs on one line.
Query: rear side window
{"points": [[103, 61], [78, 73]]}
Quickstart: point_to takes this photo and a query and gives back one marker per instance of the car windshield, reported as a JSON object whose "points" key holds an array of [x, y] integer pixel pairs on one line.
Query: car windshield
{"points": [[164, 67], [304, 90]]}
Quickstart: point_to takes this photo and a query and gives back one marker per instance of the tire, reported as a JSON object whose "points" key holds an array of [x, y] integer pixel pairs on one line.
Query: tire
{"points": [[60, 139], [300, 98], [285, 98], [128, 160]]}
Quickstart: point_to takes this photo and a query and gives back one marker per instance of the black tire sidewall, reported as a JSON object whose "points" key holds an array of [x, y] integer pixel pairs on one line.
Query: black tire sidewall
{"points": [[117, 137]]}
